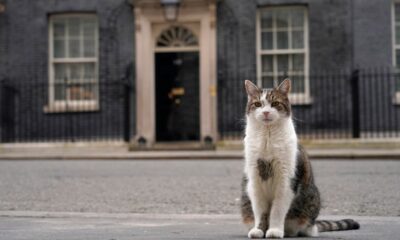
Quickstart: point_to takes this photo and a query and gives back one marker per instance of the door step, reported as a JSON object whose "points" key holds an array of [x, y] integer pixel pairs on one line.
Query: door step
{"points": [[174, 146]]}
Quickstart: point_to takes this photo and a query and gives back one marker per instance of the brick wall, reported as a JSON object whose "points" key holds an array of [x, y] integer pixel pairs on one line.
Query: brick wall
{"points": [[28, 47]]}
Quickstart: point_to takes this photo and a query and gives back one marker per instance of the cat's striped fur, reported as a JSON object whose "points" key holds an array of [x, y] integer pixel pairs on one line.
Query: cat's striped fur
{"points": [[270, 166], [341, 225]]}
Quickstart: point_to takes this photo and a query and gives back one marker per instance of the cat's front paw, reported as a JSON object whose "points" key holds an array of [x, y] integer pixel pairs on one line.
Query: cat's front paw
{"points": [[274, 233], [255, 233]]}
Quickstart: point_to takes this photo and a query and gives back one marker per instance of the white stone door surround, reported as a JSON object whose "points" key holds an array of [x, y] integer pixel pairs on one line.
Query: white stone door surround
{"points": [[198, 16]]}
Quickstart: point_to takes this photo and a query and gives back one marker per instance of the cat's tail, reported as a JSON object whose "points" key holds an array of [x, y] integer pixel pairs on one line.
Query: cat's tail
{"points": [[341, 225]]}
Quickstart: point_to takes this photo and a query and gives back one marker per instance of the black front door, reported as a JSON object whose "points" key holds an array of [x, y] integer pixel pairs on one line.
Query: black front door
{"points": [[177, 96]]}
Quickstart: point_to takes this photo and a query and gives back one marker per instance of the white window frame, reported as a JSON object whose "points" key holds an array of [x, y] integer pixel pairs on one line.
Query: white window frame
{"points": [[295, 98], [71, 105], [396, 98]]}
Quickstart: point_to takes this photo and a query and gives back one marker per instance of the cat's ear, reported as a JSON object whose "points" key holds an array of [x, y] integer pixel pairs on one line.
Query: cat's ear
{"points": [[285, 86], [252, 90]]}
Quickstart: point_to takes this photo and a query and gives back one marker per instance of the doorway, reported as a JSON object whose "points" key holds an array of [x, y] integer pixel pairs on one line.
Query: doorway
{"points": [[194, 33], [177, 96]]}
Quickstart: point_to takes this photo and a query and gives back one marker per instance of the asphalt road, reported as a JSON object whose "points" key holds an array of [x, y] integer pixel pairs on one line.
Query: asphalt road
{"points": [[362, 188], [141, 227]]}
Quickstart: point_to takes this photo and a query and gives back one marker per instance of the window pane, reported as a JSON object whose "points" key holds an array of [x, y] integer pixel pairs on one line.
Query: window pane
{"points": [[59, 91], [282, 39], [89, 48], [89, 92], [74, 26], [397, 34], [297, 84], [89, 28], [297, 39], [60, 72], [283, 64], [88, 72], [282, 18], [82, 92], [75, 72], [397, 12], [267, 82], [59, 49], [266, 19], [75, 92], [89, 36], [59, 29], [74, 48], [266, 40], [398, 58], [298, 62], [397, 83], [267, 63], [297, 18]]}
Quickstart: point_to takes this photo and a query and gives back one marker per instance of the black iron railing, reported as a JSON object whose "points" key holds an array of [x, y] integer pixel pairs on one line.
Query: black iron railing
{"points": [[362, 103], [65, 112]]}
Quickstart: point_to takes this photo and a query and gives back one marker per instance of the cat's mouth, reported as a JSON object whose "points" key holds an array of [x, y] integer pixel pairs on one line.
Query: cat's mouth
{"points": [[267, 120]]}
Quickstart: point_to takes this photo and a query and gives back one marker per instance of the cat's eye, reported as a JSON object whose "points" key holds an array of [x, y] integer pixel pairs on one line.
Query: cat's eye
{"points": [[275, 104], [257, 104]]}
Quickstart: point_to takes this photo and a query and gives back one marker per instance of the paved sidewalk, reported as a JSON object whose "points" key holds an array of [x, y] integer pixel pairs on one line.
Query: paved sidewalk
{"points": [[317, 149], [96, 226], [122, 154]]}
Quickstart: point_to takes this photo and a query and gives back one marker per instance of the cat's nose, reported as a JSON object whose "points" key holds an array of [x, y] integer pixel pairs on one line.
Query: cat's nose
{"points": [[266, 114]]}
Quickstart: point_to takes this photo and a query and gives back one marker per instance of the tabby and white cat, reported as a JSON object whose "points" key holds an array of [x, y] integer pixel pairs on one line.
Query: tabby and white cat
{"points": [[279, 196]]}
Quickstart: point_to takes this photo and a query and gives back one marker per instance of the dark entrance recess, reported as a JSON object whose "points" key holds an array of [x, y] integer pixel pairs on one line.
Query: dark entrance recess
{"points": [[177, 96]]}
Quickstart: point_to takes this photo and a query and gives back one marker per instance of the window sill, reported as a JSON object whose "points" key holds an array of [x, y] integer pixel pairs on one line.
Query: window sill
{"points": [[71, 107], [301, 100]]}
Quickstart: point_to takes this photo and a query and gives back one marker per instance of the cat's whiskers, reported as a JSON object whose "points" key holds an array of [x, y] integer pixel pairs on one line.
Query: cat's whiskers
{"points": [[297, 119]]}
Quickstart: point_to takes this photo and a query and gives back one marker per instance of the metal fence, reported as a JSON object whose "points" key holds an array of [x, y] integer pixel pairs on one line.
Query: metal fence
{"points": [[339, 104], [362, 103], [39, 112]]}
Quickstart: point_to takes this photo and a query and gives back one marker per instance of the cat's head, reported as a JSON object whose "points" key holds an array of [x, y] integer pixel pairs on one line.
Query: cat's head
{"points": [[268, 106]]}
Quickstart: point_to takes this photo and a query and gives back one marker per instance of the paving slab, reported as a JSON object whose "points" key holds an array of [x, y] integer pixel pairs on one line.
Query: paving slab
{"points": [[95, 226]]}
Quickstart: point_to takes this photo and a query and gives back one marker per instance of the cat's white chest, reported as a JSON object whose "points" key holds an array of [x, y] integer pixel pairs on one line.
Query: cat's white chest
{"points": [[277, 147], [269, 148]]}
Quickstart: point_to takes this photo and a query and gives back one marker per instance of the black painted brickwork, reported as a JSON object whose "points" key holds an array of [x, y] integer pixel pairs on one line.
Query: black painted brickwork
{"points": [[343, 35], [24, 53]]}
